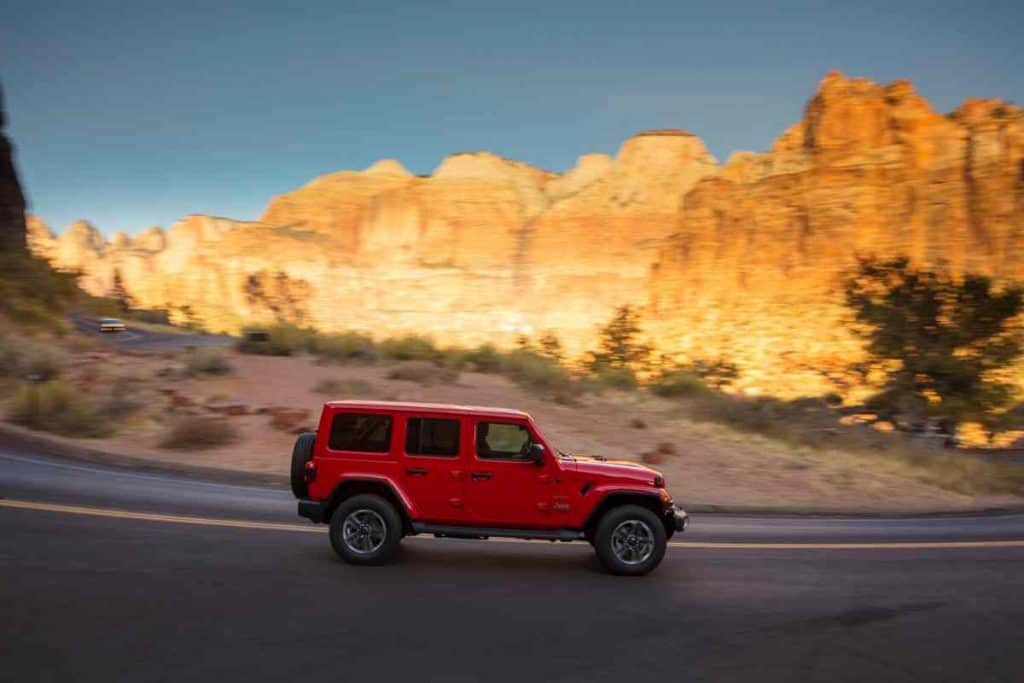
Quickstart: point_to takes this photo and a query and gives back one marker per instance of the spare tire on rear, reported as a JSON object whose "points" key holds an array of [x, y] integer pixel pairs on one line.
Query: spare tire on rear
{"points": [[301, 454]]}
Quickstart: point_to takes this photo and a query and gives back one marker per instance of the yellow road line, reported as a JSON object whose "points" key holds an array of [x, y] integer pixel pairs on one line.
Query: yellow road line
{"points": [[893, 545], [154, 517], [273, 526]]}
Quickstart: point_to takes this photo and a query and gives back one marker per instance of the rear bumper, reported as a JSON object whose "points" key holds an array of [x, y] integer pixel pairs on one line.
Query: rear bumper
{"points": [[679, 519], [313, 510]]}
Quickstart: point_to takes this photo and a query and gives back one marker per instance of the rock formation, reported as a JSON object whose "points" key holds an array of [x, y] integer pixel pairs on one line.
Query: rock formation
{"points": [[754, 269], [741, 260], [12, 200]]}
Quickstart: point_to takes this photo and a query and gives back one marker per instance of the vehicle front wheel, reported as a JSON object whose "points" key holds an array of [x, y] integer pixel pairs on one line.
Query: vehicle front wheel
{"points": [[630, 540], [366, 529]]}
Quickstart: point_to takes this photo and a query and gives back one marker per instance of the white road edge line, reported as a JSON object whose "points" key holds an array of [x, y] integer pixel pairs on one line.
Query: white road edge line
{"points": [[709, 545]]}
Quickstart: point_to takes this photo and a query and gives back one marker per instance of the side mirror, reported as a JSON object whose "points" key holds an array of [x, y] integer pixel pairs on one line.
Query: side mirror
{"points": [[535, 454]]}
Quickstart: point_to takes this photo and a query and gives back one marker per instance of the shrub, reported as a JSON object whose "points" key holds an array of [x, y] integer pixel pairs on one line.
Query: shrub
{"points": [[410, 347], [610, 377], [550, 347], [717, 373], [345, 347], [29, 359], [122, 401], [534, 371], [484, 358], [281, 339], [41, 364], [198, 433], [33, 293], [332, 386], [154, 316], [10, 358], [678, 382], [207, 361], [55, 407], [524, 365], [762, 415], [424, 373]]}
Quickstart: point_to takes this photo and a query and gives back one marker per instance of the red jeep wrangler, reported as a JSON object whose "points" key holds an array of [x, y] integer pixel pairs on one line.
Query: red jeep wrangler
{"points": [[378, 471]]}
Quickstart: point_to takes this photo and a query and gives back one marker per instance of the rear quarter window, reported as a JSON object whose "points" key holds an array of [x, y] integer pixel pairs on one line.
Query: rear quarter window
{"points": [[360, 432]]}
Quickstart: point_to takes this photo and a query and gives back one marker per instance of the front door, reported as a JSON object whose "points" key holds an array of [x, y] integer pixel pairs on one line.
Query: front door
{"points": [[434, 467], [505, 489]]}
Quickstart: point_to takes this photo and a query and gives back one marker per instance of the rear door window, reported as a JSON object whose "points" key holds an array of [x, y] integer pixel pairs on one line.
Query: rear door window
{"points": [[360, 432], [432, 436]]}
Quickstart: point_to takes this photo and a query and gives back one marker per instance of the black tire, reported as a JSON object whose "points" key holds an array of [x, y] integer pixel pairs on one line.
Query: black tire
{"points": [[652, 528], [302, 452], [367, 507]]}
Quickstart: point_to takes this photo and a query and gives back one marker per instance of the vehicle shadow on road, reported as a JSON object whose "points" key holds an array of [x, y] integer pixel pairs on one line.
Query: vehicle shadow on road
{"points": [[518, 558], [424, 557]]}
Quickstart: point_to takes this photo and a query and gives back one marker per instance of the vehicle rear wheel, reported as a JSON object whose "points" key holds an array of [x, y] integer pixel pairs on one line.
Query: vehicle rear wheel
{"points": [[366, 529], [301, 454], [630, 540]]}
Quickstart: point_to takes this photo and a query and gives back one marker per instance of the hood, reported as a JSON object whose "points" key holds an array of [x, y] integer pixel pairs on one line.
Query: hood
{"points": [[624, 470]]}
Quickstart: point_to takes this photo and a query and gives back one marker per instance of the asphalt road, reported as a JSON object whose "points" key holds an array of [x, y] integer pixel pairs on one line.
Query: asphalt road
{"points": [[108, 574], [135, 337]]}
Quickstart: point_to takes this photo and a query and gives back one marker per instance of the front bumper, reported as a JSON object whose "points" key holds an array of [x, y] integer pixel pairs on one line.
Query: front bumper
{"points": [[313, 510], [680, 520]]}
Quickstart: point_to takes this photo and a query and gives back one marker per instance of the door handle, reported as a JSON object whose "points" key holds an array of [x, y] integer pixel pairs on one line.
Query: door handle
{"points": [[481, 475], [416, 471]]}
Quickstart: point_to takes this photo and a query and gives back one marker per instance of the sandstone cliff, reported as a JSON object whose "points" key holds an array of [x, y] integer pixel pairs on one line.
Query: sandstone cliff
{"points": [[753, 271], [482, 249], [740, 260]]}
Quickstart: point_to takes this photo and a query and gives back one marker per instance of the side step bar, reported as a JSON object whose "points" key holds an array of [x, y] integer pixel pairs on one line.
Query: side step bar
{"points": [[453, 531]]}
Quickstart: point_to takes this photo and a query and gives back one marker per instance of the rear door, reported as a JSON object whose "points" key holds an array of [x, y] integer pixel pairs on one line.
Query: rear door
{"points": [[434, 475]]}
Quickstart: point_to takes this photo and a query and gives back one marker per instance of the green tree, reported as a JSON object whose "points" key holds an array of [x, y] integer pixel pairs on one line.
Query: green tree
{"points": [[119, 294], [620, 346], [550, 347], [935, 345]]}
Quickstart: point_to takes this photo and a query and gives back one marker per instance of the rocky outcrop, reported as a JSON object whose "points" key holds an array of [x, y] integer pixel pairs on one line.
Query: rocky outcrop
{"points": [[12, 201], [755, 267], [741, 260]]}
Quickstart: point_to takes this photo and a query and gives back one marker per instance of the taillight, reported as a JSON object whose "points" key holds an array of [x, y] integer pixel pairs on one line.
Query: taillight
{"points": [[310, 473]]}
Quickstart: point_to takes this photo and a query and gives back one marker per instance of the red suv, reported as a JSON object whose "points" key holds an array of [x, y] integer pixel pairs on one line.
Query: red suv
{"points": [[378, 471]]}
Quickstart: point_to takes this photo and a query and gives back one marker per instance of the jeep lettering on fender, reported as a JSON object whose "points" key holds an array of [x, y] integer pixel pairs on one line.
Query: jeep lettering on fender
{"points": [[379, 471]]}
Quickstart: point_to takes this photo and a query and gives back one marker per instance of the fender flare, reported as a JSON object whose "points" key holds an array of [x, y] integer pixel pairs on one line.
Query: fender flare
{"points": [[359, 483]]}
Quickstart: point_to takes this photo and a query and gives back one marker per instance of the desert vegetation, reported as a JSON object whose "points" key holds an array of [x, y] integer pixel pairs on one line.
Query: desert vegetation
{"points": [[198, 432], [207, 361], [937, 348], [54, 406], [937, 354]]}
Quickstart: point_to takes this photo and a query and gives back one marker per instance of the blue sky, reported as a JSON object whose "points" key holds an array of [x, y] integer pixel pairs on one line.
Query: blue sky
{"points": [[131, 114]]}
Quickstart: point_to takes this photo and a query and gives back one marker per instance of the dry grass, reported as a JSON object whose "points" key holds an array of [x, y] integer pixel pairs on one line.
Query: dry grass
{"points": [[207, 361], [55, 407], [195, 432], [343, 388], [811, 424], [30, 358], [424, 373]]}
